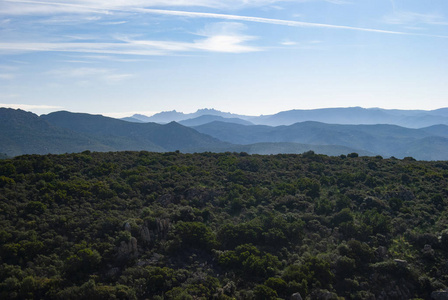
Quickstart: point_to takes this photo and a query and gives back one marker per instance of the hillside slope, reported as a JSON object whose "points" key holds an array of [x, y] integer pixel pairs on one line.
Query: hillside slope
{"points": [[168, 137], [25, 133]]}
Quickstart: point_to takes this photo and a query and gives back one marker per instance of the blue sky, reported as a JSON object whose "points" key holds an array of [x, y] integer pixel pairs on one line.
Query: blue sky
{"points": [[119, 57]]}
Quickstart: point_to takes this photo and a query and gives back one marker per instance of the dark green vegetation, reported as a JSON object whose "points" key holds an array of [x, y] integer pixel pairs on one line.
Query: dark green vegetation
{"points": [[135, 225]]}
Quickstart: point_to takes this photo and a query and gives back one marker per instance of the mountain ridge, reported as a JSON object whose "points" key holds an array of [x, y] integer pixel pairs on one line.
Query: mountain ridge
{"points": [[338, 115], [386, 140], [62, 132]]}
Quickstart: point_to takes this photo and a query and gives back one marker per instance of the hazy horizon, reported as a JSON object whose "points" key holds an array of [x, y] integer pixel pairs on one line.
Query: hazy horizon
{"points": [[150, 114]]}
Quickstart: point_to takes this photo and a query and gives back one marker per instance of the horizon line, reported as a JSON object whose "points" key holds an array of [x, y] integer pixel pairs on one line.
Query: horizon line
{"points": [[30, 108]]}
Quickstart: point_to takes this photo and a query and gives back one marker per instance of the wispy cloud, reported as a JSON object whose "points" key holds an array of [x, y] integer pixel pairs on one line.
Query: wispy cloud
{"points": [[225, 43], [70, 20], [259, 20], [11, 7], [98, 58], [289, 43], [79, 61], [114, 23], [7, 76], [137, 6], [25, 7], [304, 45], [338, 1], [225, 40], [83, 74], [222, 42], [5, 22], [412, 18], [101, 48]]}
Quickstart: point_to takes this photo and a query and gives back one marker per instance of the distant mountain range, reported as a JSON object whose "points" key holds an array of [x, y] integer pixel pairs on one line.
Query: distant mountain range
{"points": [[204, 119], [60, 132], [65, 132], [388, 140], [170, 116], [347, 116]]}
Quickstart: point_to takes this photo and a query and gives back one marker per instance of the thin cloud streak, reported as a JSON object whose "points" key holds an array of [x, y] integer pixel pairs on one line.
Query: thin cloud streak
{"points": [[107, 75], [122, 4], [226, 43], [47, 8], [101, 48], [407, 17], [290, 23], [272, 21]]}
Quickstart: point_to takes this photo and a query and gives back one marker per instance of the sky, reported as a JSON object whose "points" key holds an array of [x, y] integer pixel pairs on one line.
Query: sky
{"points": [[252, 57]]}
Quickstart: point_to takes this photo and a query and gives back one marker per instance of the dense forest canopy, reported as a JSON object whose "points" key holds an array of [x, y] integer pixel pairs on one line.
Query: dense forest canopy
{"points": [[136, 225]]}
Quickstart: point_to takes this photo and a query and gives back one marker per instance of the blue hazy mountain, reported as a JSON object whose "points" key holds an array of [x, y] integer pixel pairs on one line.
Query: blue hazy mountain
{"points": [[132, 119], [349, 116], [356, 116], [387, 140], [170, 116], [437, 130], [204, 119], [23, 132]]}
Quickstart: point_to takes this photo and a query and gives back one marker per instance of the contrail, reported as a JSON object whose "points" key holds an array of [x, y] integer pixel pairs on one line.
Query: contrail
{"points": [[227, 17], [257, 20]]}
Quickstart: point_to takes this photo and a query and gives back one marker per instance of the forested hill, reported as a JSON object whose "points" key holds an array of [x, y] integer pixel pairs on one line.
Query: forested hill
{"points": [[141, 225], [168, 137], [65, 132]]}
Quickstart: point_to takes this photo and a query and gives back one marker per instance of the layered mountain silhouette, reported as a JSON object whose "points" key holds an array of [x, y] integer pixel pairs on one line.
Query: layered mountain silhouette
{"points": [[388, 140], [60, 132], [204, 119], [348, 116], [170, 116]]}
